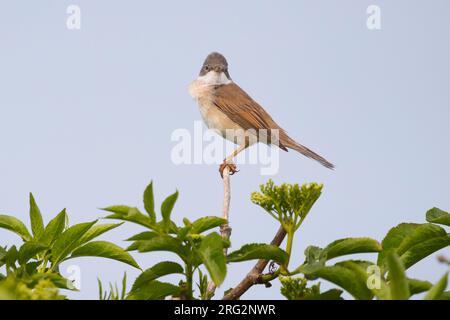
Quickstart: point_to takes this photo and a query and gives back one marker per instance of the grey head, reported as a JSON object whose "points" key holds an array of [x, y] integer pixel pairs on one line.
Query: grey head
{"points": [[215, 62]]}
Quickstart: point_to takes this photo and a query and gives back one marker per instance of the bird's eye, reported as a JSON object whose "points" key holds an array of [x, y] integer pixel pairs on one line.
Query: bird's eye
{"points": [[207, 68]]}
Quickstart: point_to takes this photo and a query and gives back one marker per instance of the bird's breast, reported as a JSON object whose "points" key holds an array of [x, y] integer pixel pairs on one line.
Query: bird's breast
{"points": [[212, 116]]}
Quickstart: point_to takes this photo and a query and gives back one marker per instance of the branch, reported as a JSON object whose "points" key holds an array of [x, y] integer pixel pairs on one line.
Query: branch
{"points": [[253, 277], [225, 229]]}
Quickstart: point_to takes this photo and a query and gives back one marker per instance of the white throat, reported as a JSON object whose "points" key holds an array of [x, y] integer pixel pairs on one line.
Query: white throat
{"points": [[201, 87], [214, 78]]}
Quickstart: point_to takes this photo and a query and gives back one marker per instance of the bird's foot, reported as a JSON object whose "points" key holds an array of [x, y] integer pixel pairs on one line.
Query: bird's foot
{"points": [[231, 168]]}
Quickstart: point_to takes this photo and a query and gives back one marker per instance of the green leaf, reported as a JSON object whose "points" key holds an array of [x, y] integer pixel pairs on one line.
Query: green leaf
{"points": [[11, 257], [162, 227], [166, 208], [422, 233], [398, 282], [68, 241], [345, 276], [149, 202], [15, 225], [146, 235], [104, 249], [54, 228], [31, 267], [350, 246], [155, 290], [158, 270], [314, 256], [124, 287], [207, 223], [129, 214], [29, 249], [162, 243], [424, 249], [37, 224], [96, 231], [182, 233], [394, 238], [438, 289], [211, 254], [405, 236], [332, 294], [439, 216], [259, 251], [134, 246], [2, 255], [370, 273], [100, 290], [418, 286], [445, 295]]}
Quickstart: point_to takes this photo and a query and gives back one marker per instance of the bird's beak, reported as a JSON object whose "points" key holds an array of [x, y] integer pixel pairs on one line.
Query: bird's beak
{"points": [[218, 69]]}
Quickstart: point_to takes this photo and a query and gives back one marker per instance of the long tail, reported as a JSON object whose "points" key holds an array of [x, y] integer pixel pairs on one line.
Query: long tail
{"points": [[291, 144]]}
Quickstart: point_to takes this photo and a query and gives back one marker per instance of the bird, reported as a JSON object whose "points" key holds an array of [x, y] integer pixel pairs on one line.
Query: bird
{"points": [[232, 113]]}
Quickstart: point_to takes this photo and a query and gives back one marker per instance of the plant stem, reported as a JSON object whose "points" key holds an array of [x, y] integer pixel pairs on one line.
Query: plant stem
{"points": [[189, 273], [43, 266], [290, 238], [225, 229], [264, 278]]}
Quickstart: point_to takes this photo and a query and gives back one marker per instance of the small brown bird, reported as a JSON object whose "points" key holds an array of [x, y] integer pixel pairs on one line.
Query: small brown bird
{"points": [[227, 108]]}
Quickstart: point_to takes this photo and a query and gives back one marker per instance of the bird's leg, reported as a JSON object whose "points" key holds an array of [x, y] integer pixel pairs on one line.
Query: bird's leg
{"points": [[230, 165], [228, 161]]}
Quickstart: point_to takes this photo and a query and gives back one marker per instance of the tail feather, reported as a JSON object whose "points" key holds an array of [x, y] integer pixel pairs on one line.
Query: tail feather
{"points": [[309, 153]]}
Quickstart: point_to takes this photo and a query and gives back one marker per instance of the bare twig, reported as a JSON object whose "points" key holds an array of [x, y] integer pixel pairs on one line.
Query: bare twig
{"points": [[253, 277], [225, 229]]}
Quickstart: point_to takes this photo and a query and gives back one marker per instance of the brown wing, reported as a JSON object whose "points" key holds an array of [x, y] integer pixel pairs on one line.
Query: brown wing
{"points": [[243, 110], [247, 113]]}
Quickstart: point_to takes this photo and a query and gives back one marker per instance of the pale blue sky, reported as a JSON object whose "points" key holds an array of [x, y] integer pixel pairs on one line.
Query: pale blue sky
{"points": [[86, 116]]}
